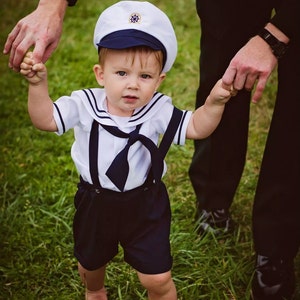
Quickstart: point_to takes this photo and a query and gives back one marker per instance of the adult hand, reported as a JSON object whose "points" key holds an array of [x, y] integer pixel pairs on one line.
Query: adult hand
{"points": [[252, 64], [42, 29]]}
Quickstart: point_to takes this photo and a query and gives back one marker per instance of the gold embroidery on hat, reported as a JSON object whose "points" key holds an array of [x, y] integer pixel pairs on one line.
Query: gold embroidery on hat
{"points": [[135, 18]]}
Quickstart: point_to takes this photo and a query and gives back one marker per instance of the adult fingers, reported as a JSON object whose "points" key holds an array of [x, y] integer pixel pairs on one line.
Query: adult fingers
{"points": [[258, 90], [20, 46], [229, 76], [39, 51], [10, 38]]}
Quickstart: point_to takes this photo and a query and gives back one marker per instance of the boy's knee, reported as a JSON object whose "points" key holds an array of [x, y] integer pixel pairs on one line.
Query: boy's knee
{"points": [[158, 283]]}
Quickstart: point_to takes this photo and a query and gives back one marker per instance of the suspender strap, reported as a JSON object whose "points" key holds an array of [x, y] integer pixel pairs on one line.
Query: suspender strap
{"points": [[170, 132], [93, 153]]}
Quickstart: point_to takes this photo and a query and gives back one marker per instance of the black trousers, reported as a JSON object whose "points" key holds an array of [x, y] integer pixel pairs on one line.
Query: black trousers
{"points": [[218, 161]]}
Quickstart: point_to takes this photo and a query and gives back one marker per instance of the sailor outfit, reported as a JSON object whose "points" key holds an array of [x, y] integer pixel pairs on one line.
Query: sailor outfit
{"points": [[136, 212]]}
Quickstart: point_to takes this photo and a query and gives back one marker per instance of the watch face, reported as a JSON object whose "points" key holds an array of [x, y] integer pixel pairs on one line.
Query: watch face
{"points": [[279, 49]]}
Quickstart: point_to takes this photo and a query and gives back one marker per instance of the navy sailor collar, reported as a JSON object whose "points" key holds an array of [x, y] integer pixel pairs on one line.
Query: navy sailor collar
{"points": [[94, 101]]}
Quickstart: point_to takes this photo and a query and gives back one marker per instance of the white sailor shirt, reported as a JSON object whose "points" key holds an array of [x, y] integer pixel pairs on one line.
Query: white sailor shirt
{"points": [[79, 110]]}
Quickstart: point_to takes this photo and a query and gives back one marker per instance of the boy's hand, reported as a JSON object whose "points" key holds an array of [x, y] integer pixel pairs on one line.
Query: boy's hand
{"points": [[221, 93], [34, 73], [230, 88]]}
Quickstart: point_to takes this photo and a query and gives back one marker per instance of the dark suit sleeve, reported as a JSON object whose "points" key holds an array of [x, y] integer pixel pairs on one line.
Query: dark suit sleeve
{"points": [[287, 18]]}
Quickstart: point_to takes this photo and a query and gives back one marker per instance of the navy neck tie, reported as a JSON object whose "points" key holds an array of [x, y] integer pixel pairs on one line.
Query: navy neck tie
{"points": [[119, 168], [157, 154]]}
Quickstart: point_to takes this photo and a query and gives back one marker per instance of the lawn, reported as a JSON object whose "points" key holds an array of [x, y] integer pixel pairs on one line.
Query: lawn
{"points": [[38, 179]]}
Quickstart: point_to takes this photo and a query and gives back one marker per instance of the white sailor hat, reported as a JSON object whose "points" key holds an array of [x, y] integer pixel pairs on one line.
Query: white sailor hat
{"points": [[133, 23]]}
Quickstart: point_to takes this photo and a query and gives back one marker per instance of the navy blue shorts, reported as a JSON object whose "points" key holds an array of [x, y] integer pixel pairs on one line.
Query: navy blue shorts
{"points": [[138, 219]]}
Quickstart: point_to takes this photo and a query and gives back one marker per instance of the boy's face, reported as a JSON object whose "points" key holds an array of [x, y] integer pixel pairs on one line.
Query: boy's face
{"points": [[130, 80]]}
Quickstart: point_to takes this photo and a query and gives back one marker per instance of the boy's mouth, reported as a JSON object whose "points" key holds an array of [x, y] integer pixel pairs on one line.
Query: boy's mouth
{"points": [[130, 98]]}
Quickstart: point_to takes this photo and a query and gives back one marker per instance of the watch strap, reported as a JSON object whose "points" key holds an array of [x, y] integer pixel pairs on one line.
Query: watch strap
{"points": [[278, 48]]}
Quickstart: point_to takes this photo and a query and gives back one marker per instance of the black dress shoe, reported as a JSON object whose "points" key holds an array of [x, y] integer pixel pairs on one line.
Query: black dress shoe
{"points": [[273, 279], [216, 221]]}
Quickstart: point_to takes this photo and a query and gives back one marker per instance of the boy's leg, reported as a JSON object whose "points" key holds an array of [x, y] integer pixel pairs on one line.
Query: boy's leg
{"points": [[159, 286], [94, 283]]}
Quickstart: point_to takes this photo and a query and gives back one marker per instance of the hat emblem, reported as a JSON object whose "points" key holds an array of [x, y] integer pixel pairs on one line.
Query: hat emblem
{"points": [[135, 18]]}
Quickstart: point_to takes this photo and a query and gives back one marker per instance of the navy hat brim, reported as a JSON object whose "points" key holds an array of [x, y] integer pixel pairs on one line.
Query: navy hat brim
{"points": [[128, 38]]}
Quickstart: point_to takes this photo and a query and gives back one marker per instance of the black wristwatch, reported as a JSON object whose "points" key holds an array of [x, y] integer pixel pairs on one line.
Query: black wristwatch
{"points": [[278, 48], [71, 2]]}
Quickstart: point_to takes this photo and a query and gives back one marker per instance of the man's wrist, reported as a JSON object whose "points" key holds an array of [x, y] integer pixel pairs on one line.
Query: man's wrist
{"points": [[281, 36]]}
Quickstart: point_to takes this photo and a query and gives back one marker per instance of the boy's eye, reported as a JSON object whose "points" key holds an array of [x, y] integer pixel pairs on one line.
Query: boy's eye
{"points": [[145, 76], [121, 73]]}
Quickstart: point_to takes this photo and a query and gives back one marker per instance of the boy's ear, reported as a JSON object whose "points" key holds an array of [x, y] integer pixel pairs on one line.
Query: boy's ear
{"points": [[99, 74], [162, 77]]}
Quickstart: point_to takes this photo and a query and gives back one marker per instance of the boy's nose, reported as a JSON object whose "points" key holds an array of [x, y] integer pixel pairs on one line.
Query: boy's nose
{"points": [[132, 83]]}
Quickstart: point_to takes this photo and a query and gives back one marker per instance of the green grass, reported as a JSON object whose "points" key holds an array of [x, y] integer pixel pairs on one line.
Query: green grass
{"points": [[38, 179]]}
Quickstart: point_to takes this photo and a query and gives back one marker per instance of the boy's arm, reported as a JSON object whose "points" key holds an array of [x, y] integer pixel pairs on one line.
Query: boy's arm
{"points": [[40, 105], [207, 117]]}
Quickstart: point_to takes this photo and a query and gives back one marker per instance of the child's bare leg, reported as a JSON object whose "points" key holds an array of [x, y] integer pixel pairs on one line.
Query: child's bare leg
{"points": [[159, 286], [94, 283]]}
